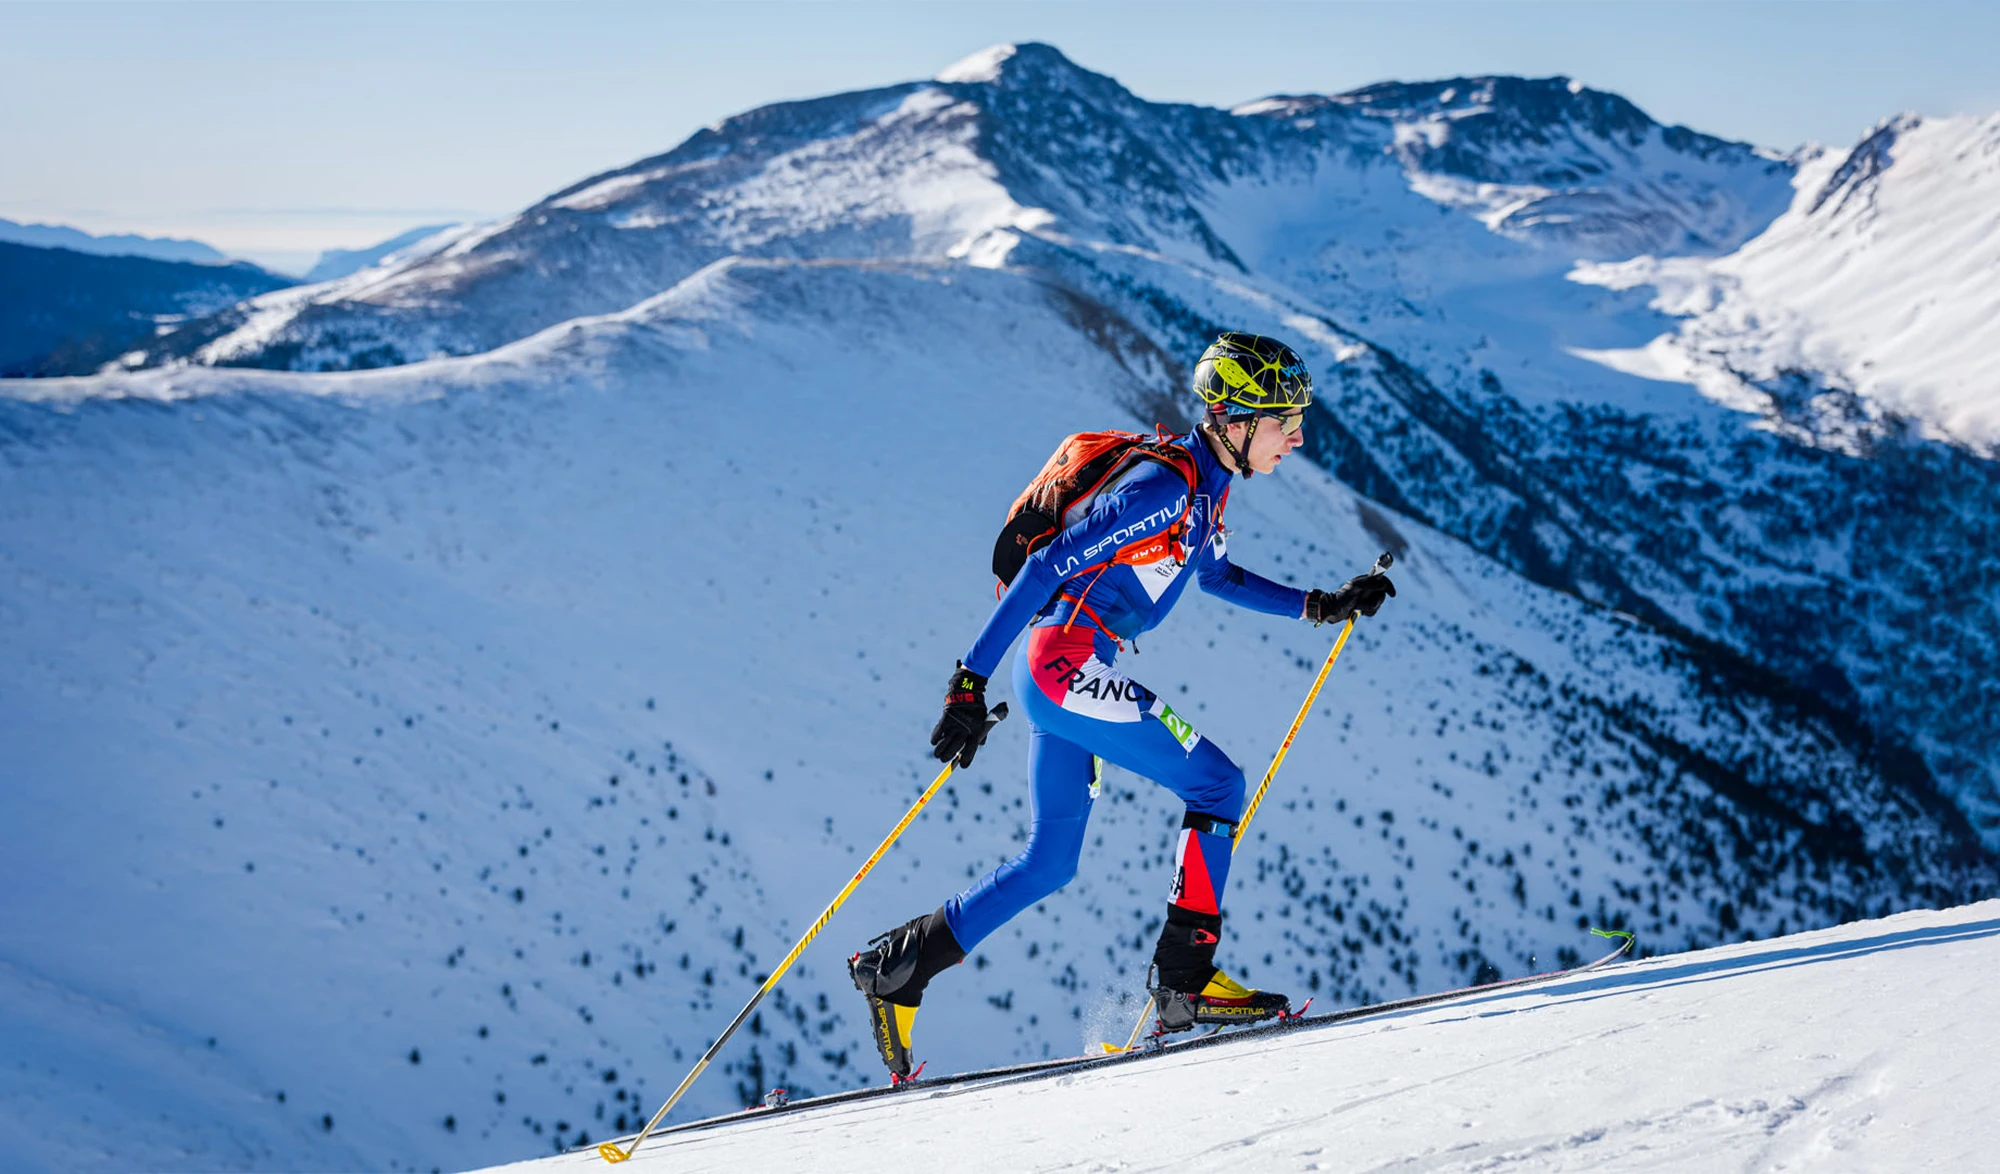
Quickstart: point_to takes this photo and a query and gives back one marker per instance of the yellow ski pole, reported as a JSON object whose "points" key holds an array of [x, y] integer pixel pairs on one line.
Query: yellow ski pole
{"points": [[610, 1152], [1382, 564]]}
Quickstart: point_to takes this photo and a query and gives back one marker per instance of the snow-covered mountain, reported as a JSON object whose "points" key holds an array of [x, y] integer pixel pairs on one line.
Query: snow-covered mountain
{"points": [[1877, 283], [1430, 232], [1020, 138], [436, 752], [1837, 1050]]}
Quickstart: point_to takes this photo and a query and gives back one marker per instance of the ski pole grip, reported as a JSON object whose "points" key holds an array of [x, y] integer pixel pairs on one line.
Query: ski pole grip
{"points": [[994, 717], [1383, 562]]}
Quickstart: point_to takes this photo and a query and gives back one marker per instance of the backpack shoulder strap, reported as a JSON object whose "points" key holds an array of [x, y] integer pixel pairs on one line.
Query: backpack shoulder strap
{"points": [[1174, 457]]}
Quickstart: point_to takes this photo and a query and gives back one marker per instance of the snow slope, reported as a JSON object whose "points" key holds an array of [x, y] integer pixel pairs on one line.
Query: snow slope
{"points": [[436, 753], [1842, 1049]]}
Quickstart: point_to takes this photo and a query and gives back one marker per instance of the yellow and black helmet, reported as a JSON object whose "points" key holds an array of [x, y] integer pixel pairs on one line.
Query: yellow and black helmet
{"points": [[1243, 373]]}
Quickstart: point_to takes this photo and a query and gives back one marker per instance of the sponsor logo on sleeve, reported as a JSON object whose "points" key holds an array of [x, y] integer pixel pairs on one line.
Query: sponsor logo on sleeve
{"points": [[1110, 544]]}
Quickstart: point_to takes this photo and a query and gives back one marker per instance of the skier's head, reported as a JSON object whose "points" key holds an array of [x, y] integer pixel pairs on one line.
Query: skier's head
{"points": [[1243, 379]]}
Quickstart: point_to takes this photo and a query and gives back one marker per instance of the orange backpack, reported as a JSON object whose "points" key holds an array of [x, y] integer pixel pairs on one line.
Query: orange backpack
{"points": [[1083, 464]]}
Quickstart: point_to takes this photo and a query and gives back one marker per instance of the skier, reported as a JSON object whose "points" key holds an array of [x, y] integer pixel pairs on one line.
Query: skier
{"points": [[1113, 571]]}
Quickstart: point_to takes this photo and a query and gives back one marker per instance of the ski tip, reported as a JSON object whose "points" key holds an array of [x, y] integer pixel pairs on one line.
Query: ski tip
{"points": [[611, 1153]]}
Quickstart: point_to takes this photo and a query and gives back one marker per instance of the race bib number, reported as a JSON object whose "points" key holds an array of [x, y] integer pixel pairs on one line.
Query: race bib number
{"points": [[1182, 729]]}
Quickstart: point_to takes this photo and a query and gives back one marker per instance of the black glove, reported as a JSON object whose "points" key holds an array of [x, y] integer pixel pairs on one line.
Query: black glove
{"points": [[1362, 593], [962, 730]]}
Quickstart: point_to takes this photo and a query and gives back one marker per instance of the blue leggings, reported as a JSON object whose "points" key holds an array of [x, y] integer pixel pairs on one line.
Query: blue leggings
{"points": [[1079, 707]]}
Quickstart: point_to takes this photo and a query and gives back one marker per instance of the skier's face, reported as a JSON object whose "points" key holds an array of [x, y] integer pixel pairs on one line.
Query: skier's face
{"points": [[1271, 442]]}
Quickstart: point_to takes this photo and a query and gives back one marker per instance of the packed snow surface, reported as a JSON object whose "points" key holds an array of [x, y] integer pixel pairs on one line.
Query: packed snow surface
{"points": [[1842, 1049]]}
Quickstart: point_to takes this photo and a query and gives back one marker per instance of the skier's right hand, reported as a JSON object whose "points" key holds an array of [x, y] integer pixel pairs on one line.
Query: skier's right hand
{"points": [[962, 730], [1363, 595]]}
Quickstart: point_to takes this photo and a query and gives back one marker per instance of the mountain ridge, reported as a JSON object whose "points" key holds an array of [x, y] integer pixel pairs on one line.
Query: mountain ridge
{"points": [[158, 248], [1007, 124]]}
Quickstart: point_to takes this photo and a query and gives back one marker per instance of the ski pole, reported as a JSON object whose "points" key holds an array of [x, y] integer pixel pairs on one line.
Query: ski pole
{"points": [[610, 1152], [1382, 563]]}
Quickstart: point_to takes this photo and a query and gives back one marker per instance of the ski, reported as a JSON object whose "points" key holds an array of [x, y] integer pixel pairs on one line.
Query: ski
{"points": [[1350, 1014], [1043, 1069]]}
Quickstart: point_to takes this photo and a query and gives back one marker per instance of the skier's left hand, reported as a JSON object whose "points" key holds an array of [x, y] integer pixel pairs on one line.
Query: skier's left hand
{"points": [[1362, 594], [961, 730]]}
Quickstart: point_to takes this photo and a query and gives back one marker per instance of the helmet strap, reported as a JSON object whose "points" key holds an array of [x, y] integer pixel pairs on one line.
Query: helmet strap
{"points": [[1242, 459], [1219, 428]]}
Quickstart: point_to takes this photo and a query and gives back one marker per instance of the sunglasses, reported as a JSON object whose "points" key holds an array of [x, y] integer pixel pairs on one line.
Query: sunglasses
{"points": [[1287, 424]]}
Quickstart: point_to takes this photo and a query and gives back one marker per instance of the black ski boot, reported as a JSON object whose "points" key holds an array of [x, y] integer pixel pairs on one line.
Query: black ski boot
{"points": [[1190, 990], [893, 972]]}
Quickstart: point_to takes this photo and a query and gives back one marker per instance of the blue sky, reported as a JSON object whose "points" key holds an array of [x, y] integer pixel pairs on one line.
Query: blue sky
{"points": [[275, 129]]}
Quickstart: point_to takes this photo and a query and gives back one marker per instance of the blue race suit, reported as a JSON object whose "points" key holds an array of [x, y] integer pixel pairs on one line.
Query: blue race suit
{"points": [[1080, 707]]}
